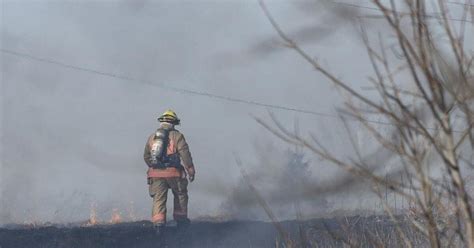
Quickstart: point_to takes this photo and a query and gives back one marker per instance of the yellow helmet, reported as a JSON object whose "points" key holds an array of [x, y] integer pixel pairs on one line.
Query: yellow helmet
{"points": [[169, 116]]}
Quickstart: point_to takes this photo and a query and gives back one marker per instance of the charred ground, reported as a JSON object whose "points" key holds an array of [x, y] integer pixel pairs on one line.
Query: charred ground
{"points": [[357, 230]]}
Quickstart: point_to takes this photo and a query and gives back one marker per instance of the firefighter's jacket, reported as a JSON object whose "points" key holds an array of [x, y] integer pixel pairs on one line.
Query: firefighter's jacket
{"points": [[176, 144]]}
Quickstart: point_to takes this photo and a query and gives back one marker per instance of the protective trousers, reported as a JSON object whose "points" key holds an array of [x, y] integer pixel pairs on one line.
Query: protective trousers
{"points": [[158, 188]]}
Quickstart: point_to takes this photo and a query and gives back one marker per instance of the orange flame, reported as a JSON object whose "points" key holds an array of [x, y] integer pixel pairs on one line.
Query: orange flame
{"points": [[93, 215], [116, 218]]}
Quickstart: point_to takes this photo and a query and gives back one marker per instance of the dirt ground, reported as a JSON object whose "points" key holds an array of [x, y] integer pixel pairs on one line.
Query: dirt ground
{"points": [[140, 234], [318, 232]]}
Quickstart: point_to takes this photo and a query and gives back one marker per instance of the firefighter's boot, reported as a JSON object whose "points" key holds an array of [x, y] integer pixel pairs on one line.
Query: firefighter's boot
{"points": [[183, 225], [159, 229]]}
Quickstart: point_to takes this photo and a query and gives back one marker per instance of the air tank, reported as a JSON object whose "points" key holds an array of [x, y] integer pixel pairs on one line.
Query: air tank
{"points": [[158, 146]]}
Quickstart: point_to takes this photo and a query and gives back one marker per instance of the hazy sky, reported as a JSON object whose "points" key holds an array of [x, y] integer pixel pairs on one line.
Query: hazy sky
{"points": [[71, 138]]}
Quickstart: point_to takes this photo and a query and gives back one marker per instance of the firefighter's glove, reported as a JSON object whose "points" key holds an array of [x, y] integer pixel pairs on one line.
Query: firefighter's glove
{"points": [[191, 178]]}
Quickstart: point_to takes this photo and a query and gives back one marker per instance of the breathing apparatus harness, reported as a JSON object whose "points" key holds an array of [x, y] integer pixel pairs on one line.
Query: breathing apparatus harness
{"points": [[159, 159]]}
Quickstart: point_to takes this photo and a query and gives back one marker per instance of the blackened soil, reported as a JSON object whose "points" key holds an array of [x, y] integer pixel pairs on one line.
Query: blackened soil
{"points": [[141, 234], [320, 232]]}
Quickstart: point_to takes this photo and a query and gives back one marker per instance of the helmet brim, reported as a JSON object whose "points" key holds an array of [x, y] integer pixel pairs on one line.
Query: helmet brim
{"points": [[173, 121]]}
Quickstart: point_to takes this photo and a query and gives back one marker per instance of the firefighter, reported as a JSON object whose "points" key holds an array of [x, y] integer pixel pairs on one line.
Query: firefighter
{"points": [[170, 165]]}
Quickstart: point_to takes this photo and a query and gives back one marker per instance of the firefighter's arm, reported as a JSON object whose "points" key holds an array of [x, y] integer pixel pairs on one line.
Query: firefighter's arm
{"points": [[185, 155]]}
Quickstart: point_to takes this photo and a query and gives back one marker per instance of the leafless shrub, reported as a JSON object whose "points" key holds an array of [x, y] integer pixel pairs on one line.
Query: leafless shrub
{"points": [[425, 87]]}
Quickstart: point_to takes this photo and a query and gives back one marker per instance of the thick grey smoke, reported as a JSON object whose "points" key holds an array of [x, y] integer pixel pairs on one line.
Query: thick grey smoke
{"points": [[72, 139], [283, 178]]}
